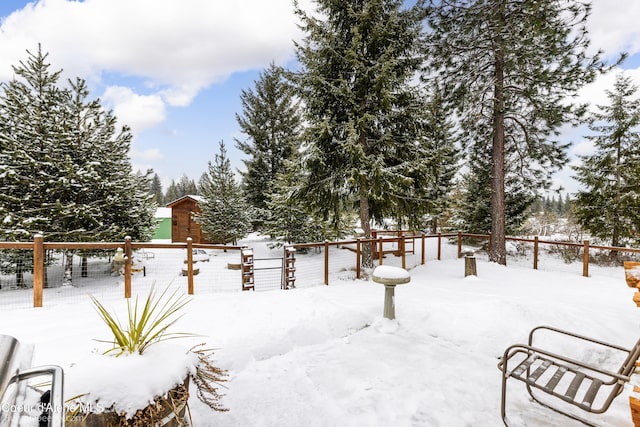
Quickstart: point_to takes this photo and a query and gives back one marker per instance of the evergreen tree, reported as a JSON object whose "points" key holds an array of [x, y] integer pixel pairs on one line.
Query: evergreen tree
{"points": [[226, 215], [186, 186], [271, 121], [155, 189], [559, 205], [288, 222], [172, 192], [509, 68], [442, 157], [65, 169], [357, 62], [474, 213], [609, 205]]}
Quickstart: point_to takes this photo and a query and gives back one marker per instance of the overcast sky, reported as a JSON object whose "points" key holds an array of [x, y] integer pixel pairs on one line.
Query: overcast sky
{"points": [[173, 69]]}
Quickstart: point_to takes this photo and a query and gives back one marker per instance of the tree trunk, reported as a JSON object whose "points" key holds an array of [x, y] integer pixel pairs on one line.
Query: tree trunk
{"points": [[20, 279], [84, 270], [498, 251], [365, 224], [68, 269], [45, 276]]}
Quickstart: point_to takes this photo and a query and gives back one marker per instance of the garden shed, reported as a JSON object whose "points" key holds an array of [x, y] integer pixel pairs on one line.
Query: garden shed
{"points": [[163, 225], [183, 224]]}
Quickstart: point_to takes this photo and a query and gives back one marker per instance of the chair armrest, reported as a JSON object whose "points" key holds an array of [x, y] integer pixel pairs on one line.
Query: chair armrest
{"points": [[581, 337], [527, 349]]}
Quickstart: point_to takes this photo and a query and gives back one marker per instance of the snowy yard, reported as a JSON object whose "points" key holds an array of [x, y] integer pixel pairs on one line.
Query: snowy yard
{"points": [[324, 356]]}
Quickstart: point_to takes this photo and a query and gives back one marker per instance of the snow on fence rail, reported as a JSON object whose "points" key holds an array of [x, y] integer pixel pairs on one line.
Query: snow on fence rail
{"points": [[47, 264]]}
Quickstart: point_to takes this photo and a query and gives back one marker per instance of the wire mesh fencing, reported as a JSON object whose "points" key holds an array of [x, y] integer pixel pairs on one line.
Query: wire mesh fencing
{"points": [[37, 273]]}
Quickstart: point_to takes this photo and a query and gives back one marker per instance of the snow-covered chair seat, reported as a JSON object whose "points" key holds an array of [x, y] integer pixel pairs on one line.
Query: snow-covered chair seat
{"points": [[563, 380]]}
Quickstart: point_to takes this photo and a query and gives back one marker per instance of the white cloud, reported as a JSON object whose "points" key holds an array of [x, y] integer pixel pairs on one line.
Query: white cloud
{"points": [[583, 148], [180, 46], [596, 93], [148, 155], [139, 112], [613, 26]]}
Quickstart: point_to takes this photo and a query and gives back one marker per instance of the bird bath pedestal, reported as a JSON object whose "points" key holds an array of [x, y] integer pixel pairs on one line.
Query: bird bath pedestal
{"points": [[390, 277]]}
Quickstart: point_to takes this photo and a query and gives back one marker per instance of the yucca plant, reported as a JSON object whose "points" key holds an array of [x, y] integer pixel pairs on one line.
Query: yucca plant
{"points": [[146, 326]]}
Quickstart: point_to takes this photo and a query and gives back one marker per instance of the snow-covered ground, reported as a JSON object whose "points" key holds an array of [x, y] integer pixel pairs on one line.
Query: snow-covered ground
{"points": [[324, 355]]}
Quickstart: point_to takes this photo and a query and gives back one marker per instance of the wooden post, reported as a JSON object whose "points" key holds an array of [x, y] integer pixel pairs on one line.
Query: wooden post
{"points": [[127, 267], [38, 270], [585, 259], [422, 249], [439, 245], [459, 244], [470, 264], [380, 253], [358, 255], [189, 265], [535, 253], [326, 262], [401, 243], [289, 268], [247, 269]]}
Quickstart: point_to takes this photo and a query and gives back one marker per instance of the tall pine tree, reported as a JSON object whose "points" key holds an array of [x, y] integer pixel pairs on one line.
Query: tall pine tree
{"points": [[226, 216], [271, 121], [509, 68], [358, 60], [608, 206]]}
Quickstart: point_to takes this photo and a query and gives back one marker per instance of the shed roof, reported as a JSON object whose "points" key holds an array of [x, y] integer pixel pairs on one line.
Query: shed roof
{"points": [[194, 197]]}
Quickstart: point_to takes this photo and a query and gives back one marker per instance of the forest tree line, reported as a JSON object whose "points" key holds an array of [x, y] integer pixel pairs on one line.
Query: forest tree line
{"points": [[440, 115]]}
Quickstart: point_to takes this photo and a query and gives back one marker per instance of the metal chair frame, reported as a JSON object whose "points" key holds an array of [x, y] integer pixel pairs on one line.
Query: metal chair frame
{"points": [[534, 362], [11, 374]]}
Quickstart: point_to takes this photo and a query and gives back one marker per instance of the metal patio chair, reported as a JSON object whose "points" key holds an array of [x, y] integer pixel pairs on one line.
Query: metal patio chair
{"points": [[562, 379], [11, 376]]}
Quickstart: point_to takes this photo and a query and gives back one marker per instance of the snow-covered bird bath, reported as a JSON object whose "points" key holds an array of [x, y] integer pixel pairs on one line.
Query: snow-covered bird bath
{"points": [[390, 277]]}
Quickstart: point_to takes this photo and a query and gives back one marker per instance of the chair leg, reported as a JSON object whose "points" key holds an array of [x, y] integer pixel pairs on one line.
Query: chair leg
{"points": [[558, 410], [503, 399]]}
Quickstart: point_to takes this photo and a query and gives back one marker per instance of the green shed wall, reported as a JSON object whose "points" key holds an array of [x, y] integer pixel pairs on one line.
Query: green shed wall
{"points": [[164, 229]]}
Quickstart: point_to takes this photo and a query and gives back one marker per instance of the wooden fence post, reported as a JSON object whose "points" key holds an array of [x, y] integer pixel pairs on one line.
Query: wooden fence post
{"points": [[402, 243], [585, 259], [189, 265], [38, 269], [535, 253], [127, 267], [439, 245], [422, 249], [459, 244], [358, 260], [326, 262], [380, 253]]}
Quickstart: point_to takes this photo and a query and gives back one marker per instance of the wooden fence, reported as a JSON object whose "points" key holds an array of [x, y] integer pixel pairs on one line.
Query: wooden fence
{"points": [[402, 239], [39, 246]]}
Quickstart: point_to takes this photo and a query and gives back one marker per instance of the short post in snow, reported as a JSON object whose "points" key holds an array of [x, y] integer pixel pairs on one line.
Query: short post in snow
{"points": [[470, 264], [390, 276]]}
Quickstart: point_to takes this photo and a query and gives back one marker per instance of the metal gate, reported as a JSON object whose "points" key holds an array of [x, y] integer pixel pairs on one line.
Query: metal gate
{"points": [[269, 273]]}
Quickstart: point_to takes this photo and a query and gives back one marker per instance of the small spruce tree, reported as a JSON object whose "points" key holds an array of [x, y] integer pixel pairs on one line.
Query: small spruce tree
{"points": [[226, 215]]}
